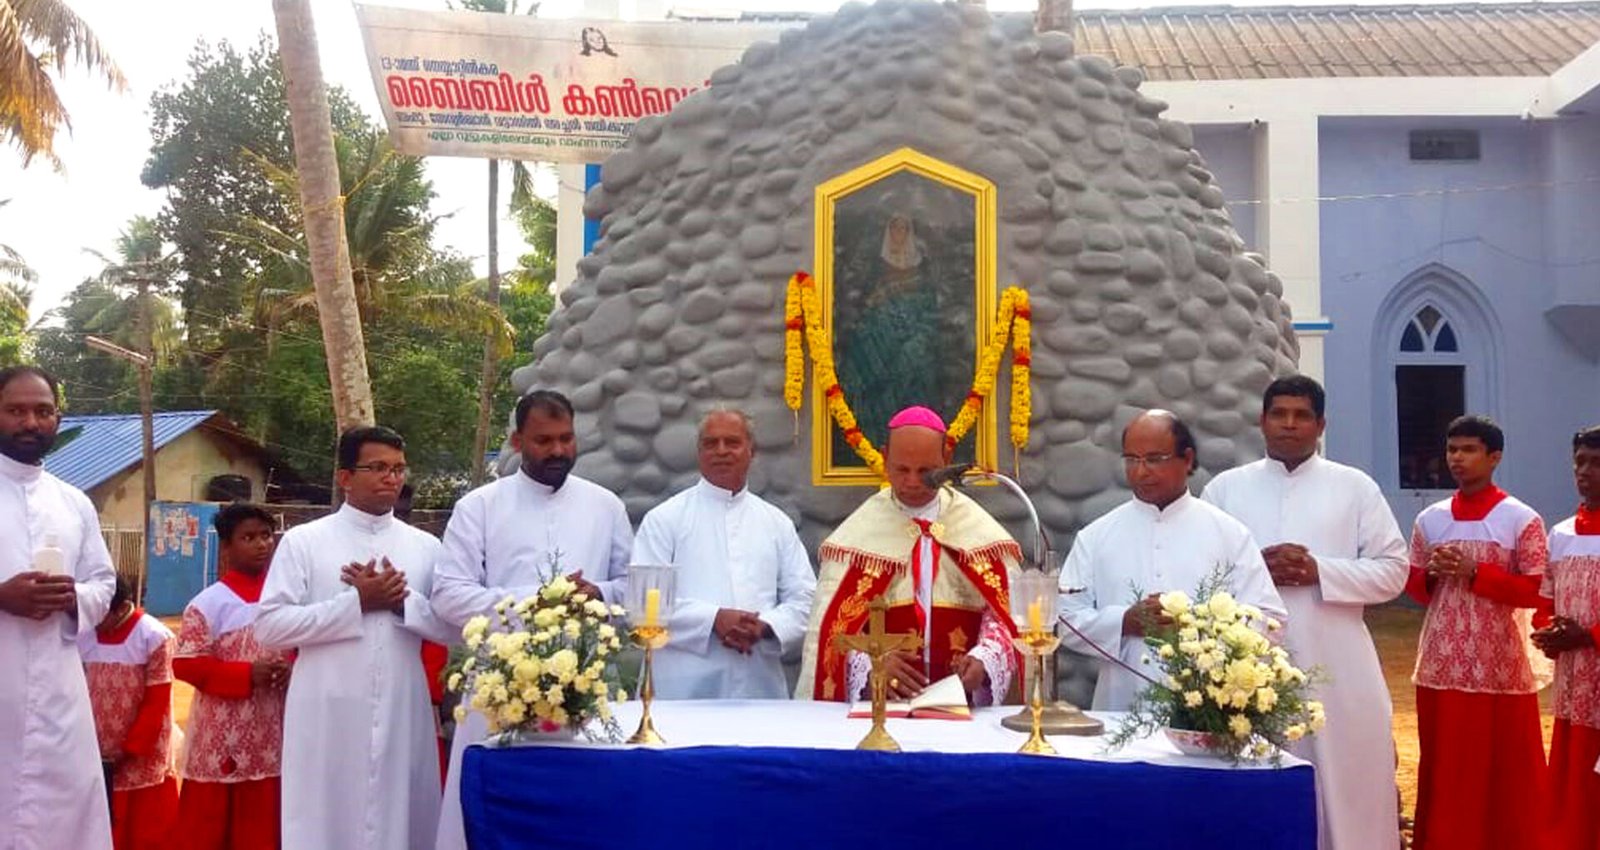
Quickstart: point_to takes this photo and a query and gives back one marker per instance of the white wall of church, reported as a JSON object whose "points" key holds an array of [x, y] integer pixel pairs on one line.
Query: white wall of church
{"points": [[1492, 230]]}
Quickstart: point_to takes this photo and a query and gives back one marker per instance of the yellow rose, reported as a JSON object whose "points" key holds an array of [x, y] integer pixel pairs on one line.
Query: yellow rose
{"points": [[1239, 725], [527, 670], [1192, 699], [1266, 698], [1222, 605], [555, 695], [1174, 603], [475, 626], [460, 714], [1295, 732], [1166, 651], [455, 682]]}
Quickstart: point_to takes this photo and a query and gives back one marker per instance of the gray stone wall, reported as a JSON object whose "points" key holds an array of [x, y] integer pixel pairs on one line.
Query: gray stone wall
{"points": [[1143, 295]]}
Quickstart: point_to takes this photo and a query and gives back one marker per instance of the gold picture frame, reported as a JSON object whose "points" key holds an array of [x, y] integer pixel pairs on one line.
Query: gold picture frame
{"points": [[938, 189]]}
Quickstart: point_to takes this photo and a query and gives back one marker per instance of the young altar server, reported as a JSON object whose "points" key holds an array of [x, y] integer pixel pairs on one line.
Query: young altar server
{"points": [[127, 661], [56, 582], [512, 535], [744, 582], [944, 565], [1161, 540], [1477, 560], [235, 733], [349, 593], [1572, 583], [1333, 547]]}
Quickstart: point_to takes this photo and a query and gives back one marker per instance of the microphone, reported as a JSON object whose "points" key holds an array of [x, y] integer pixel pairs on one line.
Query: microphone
{"points": [[951, 474]]}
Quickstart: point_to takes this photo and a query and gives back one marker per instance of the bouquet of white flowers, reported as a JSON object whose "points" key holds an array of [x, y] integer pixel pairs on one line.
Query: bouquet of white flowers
{"points": [[1224, 681], [545, 664]]}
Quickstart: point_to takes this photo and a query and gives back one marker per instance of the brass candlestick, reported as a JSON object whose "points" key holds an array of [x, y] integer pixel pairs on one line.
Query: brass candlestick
{"points": [[1037, 643], [650, 638]]}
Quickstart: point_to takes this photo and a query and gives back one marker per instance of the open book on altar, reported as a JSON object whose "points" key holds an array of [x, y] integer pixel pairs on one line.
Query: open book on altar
{"points": [[945, 699]]}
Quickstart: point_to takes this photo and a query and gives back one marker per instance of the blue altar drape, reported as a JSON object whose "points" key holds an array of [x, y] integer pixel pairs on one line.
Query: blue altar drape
{"points": [[813, 799]]}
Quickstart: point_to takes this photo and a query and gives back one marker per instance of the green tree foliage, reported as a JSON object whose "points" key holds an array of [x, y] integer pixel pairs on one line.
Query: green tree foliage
{"points": [[238, 329]]}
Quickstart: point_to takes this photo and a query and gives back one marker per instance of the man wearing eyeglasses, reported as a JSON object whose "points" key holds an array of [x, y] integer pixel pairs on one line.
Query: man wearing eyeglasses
{"points": [[1161, 540], [350, 593], [1333, 548]]}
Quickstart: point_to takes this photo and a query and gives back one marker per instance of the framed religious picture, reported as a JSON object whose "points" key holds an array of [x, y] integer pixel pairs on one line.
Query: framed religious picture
{"points": [[905, 271]]}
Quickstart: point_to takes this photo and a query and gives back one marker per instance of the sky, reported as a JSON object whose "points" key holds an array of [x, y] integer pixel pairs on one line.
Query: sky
{"points": [[56, 219]]}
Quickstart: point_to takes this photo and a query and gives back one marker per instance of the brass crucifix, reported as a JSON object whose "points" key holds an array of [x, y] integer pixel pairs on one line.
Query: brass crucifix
{"points": [[877, 645]]}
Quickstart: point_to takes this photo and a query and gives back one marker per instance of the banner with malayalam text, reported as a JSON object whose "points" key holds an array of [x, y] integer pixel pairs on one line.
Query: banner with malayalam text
{"points": [[517, 87]]}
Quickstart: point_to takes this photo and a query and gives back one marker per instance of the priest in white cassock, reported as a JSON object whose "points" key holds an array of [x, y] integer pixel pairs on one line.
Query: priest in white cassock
{"points": [[349, 592], [56, 581], [1333, 548], [744, 582], [1161, 540], [512, 535]]}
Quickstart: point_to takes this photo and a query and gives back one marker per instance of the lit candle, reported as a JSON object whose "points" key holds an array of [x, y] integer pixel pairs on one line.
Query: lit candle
{"points": [[652, 606], [1035, 620]]}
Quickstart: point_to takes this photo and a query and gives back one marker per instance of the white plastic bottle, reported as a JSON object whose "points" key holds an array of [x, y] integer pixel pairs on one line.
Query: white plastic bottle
{"points": [[49, 558]]}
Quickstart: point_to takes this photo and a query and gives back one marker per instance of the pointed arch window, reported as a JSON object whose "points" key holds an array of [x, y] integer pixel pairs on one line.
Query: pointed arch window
{"points": [[1430, 390]]}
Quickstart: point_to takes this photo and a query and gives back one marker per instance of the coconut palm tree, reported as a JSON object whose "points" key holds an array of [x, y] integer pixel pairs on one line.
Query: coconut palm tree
{"points": [[393, 266], [323, 213], [38, 40], [13, 269]]}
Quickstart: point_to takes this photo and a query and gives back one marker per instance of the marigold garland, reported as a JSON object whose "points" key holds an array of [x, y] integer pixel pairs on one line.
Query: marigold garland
{"points": [[802, 313]]}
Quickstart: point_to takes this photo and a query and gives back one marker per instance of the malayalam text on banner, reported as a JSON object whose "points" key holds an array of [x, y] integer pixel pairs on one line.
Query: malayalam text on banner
{"points": [[517, 87]]}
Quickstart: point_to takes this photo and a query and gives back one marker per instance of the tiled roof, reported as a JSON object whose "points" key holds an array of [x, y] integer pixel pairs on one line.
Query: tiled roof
{"points": [[1266, 42], [92, 449], [1275, 42]]}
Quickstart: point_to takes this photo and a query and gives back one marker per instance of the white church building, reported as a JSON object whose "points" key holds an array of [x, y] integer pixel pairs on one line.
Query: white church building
{"points": [[1426, 182]]}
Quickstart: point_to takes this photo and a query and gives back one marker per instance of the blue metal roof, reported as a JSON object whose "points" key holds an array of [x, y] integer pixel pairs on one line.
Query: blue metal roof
{"points": [[92, 449]]}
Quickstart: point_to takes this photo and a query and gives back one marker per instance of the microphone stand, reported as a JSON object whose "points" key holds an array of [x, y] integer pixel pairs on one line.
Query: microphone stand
{"points": [[1058, 717]]}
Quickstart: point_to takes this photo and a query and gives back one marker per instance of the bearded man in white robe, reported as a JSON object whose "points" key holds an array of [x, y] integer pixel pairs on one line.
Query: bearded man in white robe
{"points": [[56, 581], [1333, 548], [510, 536]]}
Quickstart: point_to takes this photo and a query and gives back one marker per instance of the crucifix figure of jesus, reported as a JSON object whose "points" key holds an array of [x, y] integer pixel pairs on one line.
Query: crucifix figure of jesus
{"points": [[877, 645]]}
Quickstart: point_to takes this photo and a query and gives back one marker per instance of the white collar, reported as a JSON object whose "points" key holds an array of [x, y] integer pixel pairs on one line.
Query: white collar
{"points": [[719, 495], [1163, 514], [370, 523], [1278, 467], [930, 511], [20, 472], [538, 487]]}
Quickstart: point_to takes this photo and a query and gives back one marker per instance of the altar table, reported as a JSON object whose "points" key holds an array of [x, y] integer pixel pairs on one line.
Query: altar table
{"points": [[785, 775]]}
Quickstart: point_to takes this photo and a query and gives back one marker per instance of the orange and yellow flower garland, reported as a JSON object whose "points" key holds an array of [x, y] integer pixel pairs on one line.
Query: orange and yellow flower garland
{"points": [[803, 314]]}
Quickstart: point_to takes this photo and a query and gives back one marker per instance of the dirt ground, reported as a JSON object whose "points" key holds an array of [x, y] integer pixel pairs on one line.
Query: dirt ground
{"points": [[1394, 630]]}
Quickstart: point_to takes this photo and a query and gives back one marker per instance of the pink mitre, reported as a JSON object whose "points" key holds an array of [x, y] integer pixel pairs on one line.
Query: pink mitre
{"points": [[918, 416]]}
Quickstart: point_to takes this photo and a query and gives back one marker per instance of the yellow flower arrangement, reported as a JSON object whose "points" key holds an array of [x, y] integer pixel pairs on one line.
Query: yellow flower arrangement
{"points": [[1222, 676], [802, 322], [542, 664]]}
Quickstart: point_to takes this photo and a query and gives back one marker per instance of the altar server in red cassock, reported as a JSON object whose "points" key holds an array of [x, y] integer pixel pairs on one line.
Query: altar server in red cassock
{"points": [[1477, 560], [235, 745], [127, 662], [1572, 582]]}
